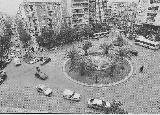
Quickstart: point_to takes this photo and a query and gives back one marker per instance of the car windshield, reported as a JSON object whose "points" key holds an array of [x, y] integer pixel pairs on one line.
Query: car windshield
{"points": [[103, 103], [91, 100], [72, 94], [45, 88]]}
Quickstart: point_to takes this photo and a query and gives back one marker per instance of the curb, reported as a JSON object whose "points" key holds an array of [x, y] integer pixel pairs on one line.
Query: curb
{"points": [[94, 85]]}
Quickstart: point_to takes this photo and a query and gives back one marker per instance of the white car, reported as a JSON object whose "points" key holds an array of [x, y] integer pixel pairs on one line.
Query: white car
{"points": [[71, 95], [17, 61], [98, 104], [44, 89]]}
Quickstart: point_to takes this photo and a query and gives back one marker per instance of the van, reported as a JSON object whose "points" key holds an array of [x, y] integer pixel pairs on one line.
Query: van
{"points": [[140, 40]]}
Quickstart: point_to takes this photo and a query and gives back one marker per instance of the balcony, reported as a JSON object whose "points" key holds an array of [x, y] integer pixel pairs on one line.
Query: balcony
{"points": [[80, 5], [80, 1]]}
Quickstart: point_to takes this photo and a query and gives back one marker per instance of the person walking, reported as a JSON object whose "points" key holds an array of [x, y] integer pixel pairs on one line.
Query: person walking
{"points": [[141, 69], [38, 69]]}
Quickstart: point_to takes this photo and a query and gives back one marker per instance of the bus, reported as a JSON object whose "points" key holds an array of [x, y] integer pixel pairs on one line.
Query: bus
{"points": [[100, 35], [140, 40]]}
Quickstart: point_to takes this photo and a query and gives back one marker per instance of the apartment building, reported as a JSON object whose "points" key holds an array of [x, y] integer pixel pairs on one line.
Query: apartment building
{"points": [[39, 14], [149, 12], [80, 12], [122, 14], [98, 10], [88, 11]]}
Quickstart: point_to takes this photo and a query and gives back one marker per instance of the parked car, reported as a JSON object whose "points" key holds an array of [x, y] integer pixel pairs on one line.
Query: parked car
{"points": [[41, 75], [71, 95], [44, 89], [98, 104], [45, 60], [3, 76], [17, 61]]}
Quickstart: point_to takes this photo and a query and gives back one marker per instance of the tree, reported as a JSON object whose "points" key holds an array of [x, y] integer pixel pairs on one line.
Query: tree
{"points": [[5, 40], [47, 38], [113, 65], [23, 35], [85, 31], [106, 47], [81, 64], [97, 27], [65, 35], [86, 46], [77, 62]]}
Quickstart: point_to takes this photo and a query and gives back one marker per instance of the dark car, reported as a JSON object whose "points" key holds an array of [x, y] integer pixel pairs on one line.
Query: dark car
{"points": [[132, 36], [133, 52], [98, 104], [45, 60], [41, 75], [3, 76]]}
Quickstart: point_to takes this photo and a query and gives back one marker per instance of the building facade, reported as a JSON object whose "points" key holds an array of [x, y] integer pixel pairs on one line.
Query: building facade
{"points": [[149, 12], [80, 12], [88, 11], [41, 14], [97, 11], [122, 14]]}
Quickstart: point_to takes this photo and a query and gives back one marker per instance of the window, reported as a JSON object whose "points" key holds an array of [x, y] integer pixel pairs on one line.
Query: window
{"points": [[154, 1], [153, 8]]}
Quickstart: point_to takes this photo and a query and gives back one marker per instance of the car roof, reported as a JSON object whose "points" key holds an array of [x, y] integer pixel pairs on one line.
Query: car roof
{"points": [[41, 86], [67, 91], [97, 101]]}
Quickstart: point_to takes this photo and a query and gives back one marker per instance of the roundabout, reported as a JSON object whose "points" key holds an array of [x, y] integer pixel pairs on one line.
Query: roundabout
{"points": [[71, 76]]}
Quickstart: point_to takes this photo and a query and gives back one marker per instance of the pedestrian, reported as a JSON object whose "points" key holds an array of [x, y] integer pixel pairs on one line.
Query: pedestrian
{"points": [[141, 69], [38, 69]]}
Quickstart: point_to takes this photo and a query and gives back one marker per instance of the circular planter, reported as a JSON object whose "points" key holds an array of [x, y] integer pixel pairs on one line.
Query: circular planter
{"points": [[97, 85]]}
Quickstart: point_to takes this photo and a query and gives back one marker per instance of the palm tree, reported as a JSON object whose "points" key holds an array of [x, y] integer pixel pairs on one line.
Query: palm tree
{"points": [[113, 65], [106, 47], [86, 46]]}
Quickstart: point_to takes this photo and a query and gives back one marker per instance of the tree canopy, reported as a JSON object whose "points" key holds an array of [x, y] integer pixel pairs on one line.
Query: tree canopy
{"points": [[5, 40], [23, 35]]}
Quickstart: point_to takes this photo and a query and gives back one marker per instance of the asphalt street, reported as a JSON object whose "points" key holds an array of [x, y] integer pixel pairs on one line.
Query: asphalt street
{"points": [[139, 94]]}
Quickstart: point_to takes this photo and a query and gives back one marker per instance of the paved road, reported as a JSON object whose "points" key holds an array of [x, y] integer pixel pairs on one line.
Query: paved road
{"points": [[140, 94]]}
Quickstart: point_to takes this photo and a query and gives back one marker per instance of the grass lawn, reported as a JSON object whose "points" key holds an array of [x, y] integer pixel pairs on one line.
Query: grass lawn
{"points": [[103, 78]]}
